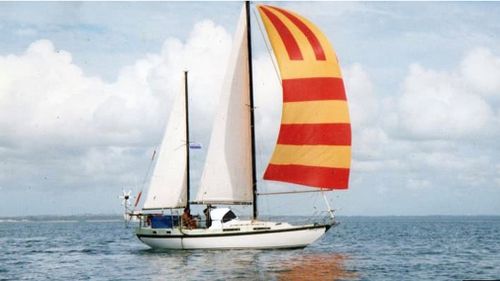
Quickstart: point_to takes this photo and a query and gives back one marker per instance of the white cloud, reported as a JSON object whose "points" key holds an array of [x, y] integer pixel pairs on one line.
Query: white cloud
{"points": [[369, 140], [370, 143], [438, 105], [49, 107], [436, 133], [457, 104], [363, 104], [481, 70]]}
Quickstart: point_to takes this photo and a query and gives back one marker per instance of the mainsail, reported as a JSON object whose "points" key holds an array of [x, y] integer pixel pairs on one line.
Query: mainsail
{"points": [[227, 175], [314, 142], [168, 185]]}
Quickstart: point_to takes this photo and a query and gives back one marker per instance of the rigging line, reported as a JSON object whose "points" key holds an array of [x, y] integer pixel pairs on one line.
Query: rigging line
{"points": [[149, 170], [260, 159], [267, 46]]}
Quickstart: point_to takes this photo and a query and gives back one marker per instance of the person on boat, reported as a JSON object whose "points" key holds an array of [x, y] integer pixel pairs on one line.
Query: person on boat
{"points": [[207, 215], [187, 220]]}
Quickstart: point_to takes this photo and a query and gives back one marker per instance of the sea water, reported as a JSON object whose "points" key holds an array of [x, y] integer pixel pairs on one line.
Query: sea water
{"points": [[360, 248]]}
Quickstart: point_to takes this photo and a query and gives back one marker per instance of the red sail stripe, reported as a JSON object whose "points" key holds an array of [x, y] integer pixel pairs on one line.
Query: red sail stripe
{"points": [[315, 134], [317, 88], [330, 178], [291, 45], [311, 37]]}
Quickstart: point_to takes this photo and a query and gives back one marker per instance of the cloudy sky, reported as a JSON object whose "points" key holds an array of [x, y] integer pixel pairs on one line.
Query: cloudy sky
{"points": [[86, 88]]}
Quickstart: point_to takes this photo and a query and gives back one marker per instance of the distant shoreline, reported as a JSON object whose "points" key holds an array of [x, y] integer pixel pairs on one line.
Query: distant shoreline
{"points": [[119, 217]]}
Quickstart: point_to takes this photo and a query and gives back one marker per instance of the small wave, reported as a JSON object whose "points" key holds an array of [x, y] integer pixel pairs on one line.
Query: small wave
{"points": [[88, 251], [59, 221], [14, 220], [36, 221], [104, 220]]}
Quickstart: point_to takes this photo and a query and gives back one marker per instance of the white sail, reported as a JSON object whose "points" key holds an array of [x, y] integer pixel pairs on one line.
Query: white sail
{"points": [[168, 185], [227, 176]]}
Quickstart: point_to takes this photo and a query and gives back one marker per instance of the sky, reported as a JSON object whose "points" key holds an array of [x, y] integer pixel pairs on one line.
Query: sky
{"points": [[86, 89]]}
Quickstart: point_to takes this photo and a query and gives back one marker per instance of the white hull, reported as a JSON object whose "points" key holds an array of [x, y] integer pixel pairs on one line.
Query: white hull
{"points": [[282, 236]]}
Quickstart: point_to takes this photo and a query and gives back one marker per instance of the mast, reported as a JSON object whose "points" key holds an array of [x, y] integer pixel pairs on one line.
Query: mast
{"points": [[252, 122], [187, 138]]}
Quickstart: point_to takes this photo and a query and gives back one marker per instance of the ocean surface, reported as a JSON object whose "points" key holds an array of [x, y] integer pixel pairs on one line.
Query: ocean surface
{"points": [[360, 248]]}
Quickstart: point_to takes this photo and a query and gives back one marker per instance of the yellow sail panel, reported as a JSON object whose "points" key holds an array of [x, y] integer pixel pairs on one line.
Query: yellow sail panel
{"points": [[315, 112], [314, 143], [333, 156]]}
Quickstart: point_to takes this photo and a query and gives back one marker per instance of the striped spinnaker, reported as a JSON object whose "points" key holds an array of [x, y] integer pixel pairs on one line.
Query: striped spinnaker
{"points": [[314, 142]]}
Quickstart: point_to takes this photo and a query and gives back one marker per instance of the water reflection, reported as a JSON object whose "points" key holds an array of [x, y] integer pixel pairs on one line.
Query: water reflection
{"points": [[245, 265], [316, 267], [204, 265]]}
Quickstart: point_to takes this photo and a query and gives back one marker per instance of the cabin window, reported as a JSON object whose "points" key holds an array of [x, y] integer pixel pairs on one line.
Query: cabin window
{"points": [[228, 216]]}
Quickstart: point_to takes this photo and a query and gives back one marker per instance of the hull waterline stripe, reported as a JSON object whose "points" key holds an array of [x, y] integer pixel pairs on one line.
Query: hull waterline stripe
{"points": [[325, 226]]}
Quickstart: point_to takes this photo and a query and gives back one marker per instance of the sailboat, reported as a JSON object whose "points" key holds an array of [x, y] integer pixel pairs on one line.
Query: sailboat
{"points": [[313, 147]]}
